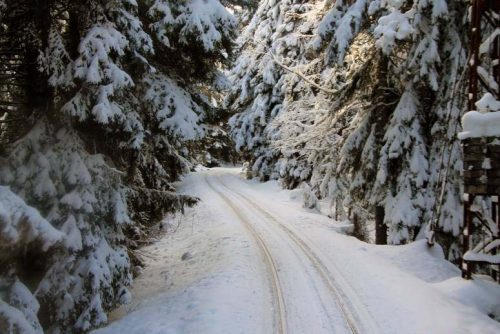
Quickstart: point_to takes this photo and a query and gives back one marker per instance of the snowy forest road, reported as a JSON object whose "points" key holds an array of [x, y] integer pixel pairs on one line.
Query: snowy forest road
{"points": [[357, 319], [294, 249], [280, 322], [250, 259]]}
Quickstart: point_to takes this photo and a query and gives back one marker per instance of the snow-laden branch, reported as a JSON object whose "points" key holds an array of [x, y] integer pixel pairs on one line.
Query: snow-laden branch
{"points": [[299, 74]]}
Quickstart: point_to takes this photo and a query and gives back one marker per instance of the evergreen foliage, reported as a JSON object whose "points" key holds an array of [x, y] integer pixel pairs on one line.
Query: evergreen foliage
{"points": [[104, 104], [361, 101], [100, 105]]}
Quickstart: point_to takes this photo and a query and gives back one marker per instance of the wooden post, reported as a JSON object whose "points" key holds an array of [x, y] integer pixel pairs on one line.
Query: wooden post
{"points": [[467, 266], [494, 215], [480, 180], [475, 40]]}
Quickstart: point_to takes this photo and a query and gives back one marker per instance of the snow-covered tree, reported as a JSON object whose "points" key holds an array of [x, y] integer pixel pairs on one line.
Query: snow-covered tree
{"points": [[81, 196], [23, 231], [365, 106], [97, 124], [277, 35]]}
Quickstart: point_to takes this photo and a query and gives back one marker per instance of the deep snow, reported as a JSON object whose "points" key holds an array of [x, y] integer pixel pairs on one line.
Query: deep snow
{"points": [[209, 276]]}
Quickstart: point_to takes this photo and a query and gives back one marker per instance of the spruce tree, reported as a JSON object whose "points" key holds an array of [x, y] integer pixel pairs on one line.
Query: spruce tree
{"points": [[97, 121], [370, 127]]}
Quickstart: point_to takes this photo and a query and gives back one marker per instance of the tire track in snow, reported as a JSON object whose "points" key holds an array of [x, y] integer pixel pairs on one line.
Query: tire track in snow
{"points": [[356, 316], [278, 291], [307, 266]]}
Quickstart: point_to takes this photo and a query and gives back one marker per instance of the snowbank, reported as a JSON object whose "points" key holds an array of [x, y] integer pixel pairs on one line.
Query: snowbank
{"points": [[476, 124], [481, 293], [482, 123]]}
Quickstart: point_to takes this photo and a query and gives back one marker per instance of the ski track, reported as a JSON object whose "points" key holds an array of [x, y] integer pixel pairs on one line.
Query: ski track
{"points": [[280, 322], [357, 319], [316, 274]]}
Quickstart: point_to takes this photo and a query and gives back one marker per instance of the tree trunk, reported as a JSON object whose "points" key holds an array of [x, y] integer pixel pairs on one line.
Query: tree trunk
{"points": [[380, 227]]}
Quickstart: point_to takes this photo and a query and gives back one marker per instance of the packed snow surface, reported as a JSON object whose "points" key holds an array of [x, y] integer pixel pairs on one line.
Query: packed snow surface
{"points": [[250, 259]]}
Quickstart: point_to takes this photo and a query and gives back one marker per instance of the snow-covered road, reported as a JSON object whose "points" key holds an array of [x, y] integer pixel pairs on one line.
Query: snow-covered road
{"points": [[250, 259], [302, 286]]}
